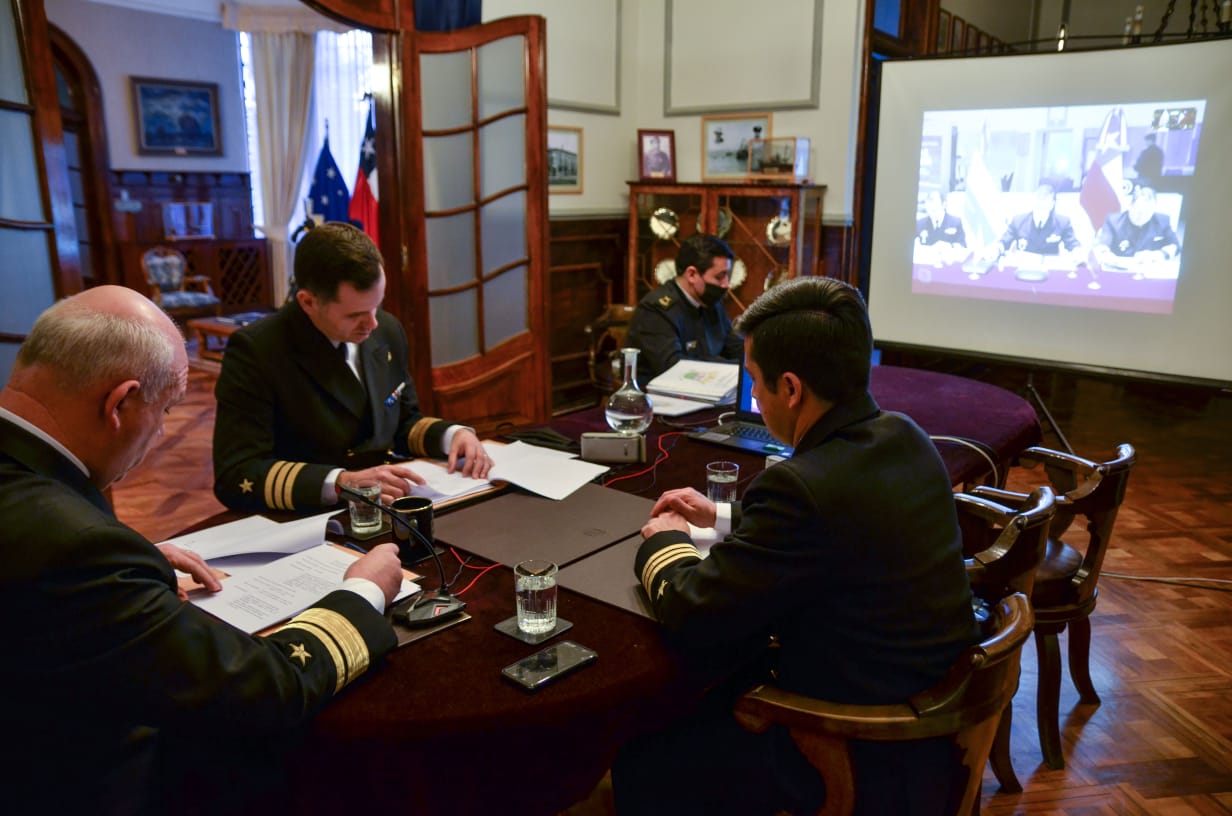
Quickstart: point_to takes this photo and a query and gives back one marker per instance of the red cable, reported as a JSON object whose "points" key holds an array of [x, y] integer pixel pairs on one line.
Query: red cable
{"points": [[482, 572], [658, 460]]}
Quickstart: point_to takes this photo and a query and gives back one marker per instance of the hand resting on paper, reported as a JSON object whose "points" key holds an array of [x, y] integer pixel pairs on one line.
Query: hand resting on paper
{"points": [[688, 503], [188, 561], [466, 444], [396, 480], [381, 567]]}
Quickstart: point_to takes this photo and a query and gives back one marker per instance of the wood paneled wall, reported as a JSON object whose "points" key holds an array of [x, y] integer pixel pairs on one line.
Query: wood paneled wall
{"points": [[235, 261]]}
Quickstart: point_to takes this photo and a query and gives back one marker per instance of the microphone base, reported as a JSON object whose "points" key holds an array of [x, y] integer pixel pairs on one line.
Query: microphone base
{"points": [[429, 609], [411, 553]]}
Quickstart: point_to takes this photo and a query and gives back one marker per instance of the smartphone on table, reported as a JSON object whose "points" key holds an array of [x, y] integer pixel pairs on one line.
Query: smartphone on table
{"points": [[536, 671]]}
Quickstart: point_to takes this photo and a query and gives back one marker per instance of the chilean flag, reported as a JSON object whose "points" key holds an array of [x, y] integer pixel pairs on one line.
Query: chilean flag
{"points": [[980, 204], [364, 198], [1104, 183]]}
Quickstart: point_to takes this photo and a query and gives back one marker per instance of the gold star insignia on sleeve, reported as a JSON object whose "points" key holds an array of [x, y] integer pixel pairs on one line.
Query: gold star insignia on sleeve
{"points": [[298, 652], [665, 301], [246, 486], [662, 589]]}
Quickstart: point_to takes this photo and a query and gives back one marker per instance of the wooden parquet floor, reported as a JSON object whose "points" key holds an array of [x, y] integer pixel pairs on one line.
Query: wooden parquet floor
{"points": [[1161, 742]]}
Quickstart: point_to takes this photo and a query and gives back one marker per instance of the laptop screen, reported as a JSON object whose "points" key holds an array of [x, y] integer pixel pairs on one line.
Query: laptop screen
{"points": [[747, 409]]}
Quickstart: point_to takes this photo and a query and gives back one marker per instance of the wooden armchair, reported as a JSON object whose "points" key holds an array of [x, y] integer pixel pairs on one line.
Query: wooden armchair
{"points": [[178, 294], [965, 705], [605, 338], [1003, 548], [1066, 582]]}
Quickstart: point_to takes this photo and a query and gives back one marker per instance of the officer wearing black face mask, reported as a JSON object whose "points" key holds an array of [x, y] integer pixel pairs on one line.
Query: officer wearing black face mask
{"points": [[684, 319]]}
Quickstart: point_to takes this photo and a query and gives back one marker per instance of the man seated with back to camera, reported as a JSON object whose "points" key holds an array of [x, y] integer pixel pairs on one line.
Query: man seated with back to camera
{"points": [[684, 319], [848, 555], [112, 675], [1042, 231], [319, 394], [1139, 233]]}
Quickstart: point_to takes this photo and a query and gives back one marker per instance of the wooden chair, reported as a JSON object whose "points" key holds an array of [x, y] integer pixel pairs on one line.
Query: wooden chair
{"points": [[966, 705], [178, 294], [1004, 545], [605, 338], [1066, 582]]}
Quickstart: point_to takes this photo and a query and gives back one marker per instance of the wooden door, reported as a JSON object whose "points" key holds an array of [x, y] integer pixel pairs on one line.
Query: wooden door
{"points": [[475, 215]]}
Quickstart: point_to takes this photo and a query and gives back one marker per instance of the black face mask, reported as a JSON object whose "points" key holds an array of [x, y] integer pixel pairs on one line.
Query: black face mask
{"points": [[712, 294]]}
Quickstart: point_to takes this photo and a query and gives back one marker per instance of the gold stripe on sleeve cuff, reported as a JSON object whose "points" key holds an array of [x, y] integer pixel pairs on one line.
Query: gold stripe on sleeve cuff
{"points": [[354, 650], [340, 667], [280, 484], [415, 437], [664, 557]]}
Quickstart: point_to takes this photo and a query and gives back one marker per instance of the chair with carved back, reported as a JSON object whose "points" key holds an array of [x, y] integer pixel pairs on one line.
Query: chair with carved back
{"points": [[1003, 545], [965, 705], [605, 338], [1066, 582], [178, 294]]}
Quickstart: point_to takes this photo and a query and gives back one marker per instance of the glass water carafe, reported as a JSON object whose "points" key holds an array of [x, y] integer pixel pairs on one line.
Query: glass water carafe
{"points": [[629, 410]]}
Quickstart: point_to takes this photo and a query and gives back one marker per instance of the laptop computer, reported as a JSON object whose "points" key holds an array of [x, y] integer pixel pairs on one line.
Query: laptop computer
{"points": [[747, 432]]}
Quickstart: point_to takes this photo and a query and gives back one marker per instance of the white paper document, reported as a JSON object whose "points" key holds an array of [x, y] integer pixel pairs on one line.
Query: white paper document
{"points": [[675, 406], [256, 598], [443, 485], [255, 534], [698, 380], [540, 470]]}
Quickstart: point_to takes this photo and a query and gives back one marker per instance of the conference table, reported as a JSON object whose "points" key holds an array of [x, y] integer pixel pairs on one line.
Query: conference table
{"points": [[437, 729]]}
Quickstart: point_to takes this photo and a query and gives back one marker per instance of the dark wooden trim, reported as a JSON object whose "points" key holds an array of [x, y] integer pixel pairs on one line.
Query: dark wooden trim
{"points": [[374, 15], [95, 161], [49, 135]]}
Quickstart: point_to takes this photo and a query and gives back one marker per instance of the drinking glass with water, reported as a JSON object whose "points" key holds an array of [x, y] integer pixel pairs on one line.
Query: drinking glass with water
{"points": [[721, 479], [535, 585]]}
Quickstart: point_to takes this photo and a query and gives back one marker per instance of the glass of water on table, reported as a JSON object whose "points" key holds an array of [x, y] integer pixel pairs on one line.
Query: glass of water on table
{"points": [[721, 479]]}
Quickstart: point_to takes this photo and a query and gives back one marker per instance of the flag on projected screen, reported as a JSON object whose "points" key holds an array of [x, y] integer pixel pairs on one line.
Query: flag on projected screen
{"points": [[980, 211], [328, 195], [1104, 184], [364, 199]]}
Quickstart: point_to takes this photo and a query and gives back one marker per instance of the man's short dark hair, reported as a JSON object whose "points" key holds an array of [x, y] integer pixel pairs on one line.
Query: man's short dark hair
{"points": [[818, 329], [699, 251], [333, 253]]}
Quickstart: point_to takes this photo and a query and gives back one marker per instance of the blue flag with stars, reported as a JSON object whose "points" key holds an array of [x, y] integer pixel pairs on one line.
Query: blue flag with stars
{"points": [[328, 195]]}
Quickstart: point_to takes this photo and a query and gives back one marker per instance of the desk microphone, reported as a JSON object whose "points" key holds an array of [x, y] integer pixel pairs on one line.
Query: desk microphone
{"points": [[426, 608]]}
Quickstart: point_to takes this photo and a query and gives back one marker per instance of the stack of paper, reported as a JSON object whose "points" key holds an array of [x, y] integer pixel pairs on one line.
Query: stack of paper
{"points": [[270, 572], [711, 383]]}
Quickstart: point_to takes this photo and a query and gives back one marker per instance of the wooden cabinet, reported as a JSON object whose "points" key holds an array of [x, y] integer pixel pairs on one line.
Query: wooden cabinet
{"points": [[773, 229]]}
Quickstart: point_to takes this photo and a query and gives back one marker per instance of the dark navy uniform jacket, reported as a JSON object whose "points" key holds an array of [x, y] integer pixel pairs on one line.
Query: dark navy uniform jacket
{"points": [[1024, 236], [668, 329], [1120, 235], [950, 231], [290, 410]]}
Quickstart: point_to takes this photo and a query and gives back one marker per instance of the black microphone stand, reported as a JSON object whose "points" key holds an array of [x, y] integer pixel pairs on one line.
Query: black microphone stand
{"points": [[426, 608]]}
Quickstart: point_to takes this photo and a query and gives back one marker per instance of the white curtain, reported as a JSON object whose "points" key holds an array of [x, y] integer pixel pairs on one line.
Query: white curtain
{"points": [[341, 80], [282, 71]]}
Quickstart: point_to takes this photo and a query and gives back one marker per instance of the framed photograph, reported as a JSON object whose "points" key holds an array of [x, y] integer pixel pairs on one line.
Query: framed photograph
{"points": [[943, 31], [985, 44], [564, 159], [971, 39], [958, 29], [656, 150], [725, 143], [176, 118]]}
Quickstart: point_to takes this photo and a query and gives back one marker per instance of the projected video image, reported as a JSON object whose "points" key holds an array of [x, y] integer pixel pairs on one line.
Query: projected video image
{"points": [[1073, 206]]}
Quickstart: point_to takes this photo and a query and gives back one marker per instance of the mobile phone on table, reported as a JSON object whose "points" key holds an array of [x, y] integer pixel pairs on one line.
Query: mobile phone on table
{"points": [[534, 672]]}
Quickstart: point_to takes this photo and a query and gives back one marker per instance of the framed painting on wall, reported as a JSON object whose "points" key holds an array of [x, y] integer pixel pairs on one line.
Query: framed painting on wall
{"points": [[943, 31], [564, 159], [176, 118], [725, 143]]}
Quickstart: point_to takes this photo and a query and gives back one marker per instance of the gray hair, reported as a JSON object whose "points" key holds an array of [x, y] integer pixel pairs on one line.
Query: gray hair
{"points": [[83, 346]]}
